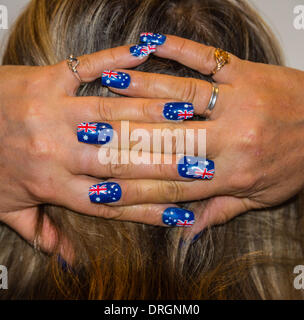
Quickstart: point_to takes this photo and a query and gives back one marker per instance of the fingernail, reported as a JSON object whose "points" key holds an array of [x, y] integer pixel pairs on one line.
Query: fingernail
{"points": [[196, 168], [197, 236], [94, 133], [119, 80], [178, 217], [181, 243], [106, 192], [141, 51], [178, 111], [152, 38], [63, 264]]}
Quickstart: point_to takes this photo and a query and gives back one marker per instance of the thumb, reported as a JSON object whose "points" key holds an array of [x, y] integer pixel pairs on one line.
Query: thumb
{"points": [[24, 222]]}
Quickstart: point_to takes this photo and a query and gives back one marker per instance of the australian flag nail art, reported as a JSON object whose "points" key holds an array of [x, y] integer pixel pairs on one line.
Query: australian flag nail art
{"points": [[178, 111], [106, 192], [142, 50], [196, 168], [178, 217], [152, 38], [94, 133], [119, 80]]}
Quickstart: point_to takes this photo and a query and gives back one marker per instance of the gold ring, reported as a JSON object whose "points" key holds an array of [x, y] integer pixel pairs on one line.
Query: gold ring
{"points": [[221, 58]]}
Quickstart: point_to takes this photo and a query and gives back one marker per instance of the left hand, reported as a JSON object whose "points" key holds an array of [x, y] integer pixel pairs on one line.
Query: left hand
{"points": [[255, 136]]}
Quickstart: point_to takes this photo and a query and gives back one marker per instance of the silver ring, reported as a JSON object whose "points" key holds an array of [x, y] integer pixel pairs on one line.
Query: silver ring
{"points": [[73, 63], [213, 99]]}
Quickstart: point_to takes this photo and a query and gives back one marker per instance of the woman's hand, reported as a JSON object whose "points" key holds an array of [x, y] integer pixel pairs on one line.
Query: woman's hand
{"points": [[41, 160], [254, 136]]}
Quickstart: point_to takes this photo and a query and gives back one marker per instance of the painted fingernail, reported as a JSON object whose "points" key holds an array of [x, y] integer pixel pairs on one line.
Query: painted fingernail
{"points": [[178, 217], [197, 236], [94, 133], [196, 168], [119, 80], [178, 111], [63, 264], [152, 38], [141, 51], [106, 192]]}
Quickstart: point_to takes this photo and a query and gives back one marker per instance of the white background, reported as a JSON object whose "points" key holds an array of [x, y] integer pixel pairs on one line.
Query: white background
{"points": [[279, 14]]}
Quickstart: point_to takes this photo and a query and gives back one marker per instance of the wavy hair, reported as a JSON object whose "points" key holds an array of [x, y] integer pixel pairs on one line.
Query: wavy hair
{"points": [[250, 257]]}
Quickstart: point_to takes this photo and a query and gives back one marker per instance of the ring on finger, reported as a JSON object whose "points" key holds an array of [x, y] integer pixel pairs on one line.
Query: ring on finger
{"points": [[73, 63], [221, 58], [212, 101]]}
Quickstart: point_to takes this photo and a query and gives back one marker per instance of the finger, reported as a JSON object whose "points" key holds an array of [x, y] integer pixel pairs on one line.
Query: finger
{"points": [[198, 92], [125, 164], [80, 191], [79, 201], [217, 210], [92, 65], [24, 222], [199, 57], [90, 109], [198, 137]]}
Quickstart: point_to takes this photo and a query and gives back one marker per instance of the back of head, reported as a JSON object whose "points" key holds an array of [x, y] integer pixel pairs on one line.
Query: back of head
{"points": [[123, 260]]}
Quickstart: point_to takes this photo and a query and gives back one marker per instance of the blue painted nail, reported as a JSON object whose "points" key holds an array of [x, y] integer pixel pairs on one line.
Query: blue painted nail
{"points": [[63, 264], [178, 111], [119, 80], [141, 51], [196, 168], [152, 38], [94, 133], [181, 243], [197, 236], [106, 192], [178, 217]]}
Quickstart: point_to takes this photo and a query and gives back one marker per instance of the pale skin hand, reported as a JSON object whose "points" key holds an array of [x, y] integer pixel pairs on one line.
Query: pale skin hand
{"points": [[255, 136], [41, 160]]}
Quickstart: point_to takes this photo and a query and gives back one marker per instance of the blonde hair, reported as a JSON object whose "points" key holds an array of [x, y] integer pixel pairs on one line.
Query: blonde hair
{"points": [[252, 256]]}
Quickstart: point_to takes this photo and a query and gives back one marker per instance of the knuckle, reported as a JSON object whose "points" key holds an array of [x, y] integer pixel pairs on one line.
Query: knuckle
{"points": [[251, 138], [107, 212], [150, 84], [113, 56], [190, 90], [40, 148], [104, 112], [116, 170], [182, 47], [171, 191], [146, 110]]}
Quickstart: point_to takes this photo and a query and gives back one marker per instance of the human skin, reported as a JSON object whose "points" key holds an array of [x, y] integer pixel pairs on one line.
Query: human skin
{"points": [[254, 136], [41, 160]]}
